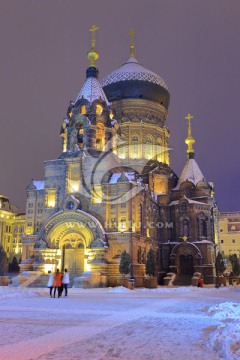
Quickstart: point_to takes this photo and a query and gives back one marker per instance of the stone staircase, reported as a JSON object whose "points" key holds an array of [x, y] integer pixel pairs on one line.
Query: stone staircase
{"points": [[28, 279], [40, 281], [183, 280], [33, 280]]}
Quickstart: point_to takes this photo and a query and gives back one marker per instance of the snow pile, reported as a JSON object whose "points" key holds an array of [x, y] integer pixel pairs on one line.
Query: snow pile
{"points": [[227, 310], [225, 340], [119, 289], [6, 293], [184, 289]]}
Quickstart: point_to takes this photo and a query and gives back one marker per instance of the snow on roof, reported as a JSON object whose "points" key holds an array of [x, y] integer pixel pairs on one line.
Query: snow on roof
{"points": [[38, 184], [92, 90], [132, 70], [189, 201], [191, 172], [116, 176]]}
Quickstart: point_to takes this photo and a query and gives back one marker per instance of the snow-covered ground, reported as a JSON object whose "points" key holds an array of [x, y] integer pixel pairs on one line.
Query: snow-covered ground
{"points": [[95, 324]]}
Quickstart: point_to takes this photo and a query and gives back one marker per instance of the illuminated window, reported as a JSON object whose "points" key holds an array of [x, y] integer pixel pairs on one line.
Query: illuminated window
{"points": [[99, 109], [122, 147], [83, 110], [149, 147], [123, 225], [99, 136], [135, 147], [51, 198], [97, 194], [73, 178], [159, 149], [111, 115]]}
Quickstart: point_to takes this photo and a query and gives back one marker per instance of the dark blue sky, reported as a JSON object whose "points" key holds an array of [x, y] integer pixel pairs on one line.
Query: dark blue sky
{"points": [[193, 45]]}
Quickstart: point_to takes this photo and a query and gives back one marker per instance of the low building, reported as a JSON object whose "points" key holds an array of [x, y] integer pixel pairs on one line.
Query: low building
{"points": [[229, 223], [12, 227]]}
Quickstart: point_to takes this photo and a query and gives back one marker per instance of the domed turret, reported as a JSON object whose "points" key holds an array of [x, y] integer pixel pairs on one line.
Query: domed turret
{"points": [[133, 81], [92, 89]]}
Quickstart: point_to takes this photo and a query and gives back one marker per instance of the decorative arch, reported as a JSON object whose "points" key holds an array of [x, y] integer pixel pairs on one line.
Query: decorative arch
{"points": [[74, 226], [184, 257]]}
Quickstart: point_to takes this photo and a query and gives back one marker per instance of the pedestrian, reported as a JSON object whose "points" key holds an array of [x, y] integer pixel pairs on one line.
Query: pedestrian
{"points": [[50, 282], [200, 282], [65, 281], [57, 283]]}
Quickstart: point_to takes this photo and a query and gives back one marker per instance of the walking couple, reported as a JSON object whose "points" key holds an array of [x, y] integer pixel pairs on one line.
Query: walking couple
{"points": [[58, 281]]}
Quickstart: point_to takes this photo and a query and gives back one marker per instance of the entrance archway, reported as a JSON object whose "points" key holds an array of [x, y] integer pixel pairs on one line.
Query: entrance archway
{"points": [[186, 264], [73, 234], [185, 257], [73, 258]]}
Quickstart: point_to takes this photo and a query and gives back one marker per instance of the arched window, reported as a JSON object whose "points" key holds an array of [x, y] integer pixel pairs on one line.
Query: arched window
{"points": [[188, 192], [185, 225], [149, 147], [159, 150], [80, 135], [83, 109], [202, 228], [122, 147], [135, 147], [184, 206], [80, 246], [68, 246], [99, 136], [99, 109], [141, 220]]}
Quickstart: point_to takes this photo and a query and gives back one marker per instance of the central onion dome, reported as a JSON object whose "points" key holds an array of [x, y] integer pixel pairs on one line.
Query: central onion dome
{"points": [[133, 81]]}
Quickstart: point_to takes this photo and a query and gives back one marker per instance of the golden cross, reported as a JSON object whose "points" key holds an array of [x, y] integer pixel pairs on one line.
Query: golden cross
{"points": [[189, 117], [185, 238], [131, 34], [93, 28]]}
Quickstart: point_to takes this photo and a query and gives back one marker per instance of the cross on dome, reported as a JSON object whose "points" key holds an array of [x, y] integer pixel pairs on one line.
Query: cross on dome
{"points": [[132, 34], [93, 55], [190, 139]]}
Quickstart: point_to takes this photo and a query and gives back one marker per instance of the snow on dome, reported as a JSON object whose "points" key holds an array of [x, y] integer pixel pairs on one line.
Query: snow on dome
{"points": [[191, 172], [132, 70], [116, 176], [38, 184], [92, 90]]}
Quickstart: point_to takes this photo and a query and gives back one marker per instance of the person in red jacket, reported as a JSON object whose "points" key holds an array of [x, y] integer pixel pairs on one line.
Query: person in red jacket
{"points": [[200, 283], [57, 283]]}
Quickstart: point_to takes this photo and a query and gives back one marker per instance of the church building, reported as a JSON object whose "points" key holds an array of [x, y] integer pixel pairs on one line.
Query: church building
{"points": [[112, 189]]}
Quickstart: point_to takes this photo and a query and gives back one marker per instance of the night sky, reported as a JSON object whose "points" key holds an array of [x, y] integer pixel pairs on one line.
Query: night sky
{"points": [[193, 45]]}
